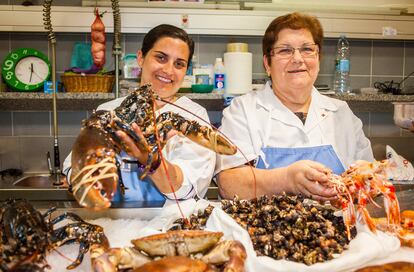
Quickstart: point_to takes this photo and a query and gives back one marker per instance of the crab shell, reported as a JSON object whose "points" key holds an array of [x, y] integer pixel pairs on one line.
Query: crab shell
{"points": [[175, 264], [181, 243]]}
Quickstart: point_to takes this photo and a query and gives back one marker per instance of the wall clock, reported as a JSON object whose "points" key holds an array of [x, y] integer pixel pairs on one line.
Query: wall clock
{"points": [[26, 69]]}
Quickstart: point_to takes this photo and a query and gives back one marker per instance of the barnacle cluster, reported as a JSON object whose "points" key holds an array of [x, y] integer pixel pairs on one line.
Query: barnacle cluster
{"points": [[195, 221], [283, 227]]}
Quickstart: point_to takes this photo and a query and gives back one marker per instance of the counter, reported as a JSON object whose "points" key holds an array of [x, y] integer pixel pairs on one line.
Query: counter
{"points": [[15, 101], [44, 196], [19, 101]]}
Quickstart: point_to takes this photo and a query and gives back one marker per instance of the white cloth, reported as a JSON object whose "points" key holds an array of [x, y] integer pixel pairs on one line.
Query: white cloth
{"points": [[365, 249], [259, 119], [195, 161]]}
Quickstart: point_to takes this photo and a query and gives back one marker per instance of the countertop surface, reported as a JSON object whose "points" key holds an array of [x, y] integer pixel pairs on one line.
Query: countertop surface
{"points": [[15, 101]]}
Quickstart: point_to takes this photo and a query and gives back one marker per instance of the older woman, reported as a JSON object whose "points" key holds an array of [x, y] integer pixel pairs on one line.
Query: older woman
{"points": [[288, 130], [164, 58]]}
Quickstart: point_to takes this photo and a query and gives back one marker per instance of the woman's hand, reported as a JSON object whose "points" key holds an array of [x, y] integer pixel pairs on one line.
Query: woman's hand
{"points": [[139, 151], [310, 179]]}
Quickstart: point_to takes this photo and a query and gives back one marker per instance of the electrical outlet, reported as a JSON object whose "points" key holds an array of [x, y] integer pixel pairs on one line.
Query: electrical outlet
{"points": [[388, 31]]}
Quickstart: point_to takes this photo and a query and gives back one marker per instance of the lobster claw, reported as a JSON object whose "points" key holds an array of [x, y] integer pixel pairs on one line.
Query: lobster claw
{"points": [[202, 135], [212, 140], [94, 174]]}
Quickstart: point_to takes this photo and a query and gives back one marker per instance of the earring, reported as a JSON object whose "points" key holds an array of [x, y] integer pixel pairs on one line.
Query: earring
{"points": [[268, 73]]}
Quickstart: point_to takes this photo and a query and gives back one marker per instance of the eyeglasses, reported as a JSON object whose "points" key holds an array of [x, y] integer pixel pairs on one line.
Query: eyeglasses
{"points": [[285, 52]]}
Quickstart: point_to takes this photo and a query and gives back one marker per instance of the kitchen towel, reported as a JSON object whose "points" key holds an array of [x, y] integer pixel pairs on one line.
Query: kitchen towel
{"points": [[238, 72]]}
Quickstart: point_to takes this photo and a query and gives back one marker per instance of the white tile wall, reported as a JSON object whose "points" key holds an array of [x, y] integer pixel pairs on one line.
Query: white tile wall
{"points": [[371, 61]]}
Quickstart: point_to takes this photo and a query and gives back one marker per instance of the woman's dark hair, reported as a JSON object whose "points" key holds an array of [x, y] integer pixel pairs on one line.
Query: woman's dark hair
{"points": [[170, 31], [295, 20]]}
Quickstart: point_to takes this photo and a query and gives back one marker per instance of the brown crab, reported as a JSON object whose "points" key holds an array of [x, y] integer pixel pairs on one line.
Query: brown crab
{"points": [[195, 249]]}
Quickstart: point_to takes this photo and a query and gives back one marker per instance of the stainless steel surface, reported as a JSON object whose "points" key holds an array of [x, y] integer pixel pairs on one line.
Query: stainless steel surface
{"points": [[41, 181], [404, 115], [146, 213], [36, 187], [36, 193]]}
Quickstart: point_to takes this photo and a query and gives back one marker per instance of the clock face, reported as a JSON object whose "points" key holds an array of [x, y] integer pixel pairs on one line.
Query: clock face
{"points": [[26, 69], [32, 70]]}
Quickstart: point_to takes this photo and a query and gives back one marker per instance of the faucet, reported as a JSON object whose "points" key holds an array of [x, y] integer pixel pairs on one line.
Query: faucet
{"points": [[53, 173], [56, 172]]}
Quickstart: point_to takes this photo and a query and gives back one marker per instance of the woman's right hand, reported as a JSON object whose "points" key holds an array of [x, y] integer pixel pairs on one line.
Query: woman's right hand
{"points": [[309, 178]]}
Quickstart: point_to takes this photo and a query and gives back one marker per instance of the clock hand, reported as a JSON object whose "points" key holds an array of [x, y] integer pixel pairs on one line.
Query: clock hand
{"points": [[38, 75], [31, 71]]}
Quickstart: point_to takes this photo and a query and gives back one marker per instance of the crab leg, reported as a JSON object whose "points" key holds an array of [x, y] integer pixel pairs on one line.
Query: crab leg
{"points": [[115, 259], [230, 252]]}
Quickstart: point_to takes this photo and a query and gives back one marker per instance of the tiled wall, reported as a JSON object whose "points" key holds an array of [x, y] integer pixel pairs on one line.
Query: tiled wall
{"points": [[371, 60], [25, 137]]}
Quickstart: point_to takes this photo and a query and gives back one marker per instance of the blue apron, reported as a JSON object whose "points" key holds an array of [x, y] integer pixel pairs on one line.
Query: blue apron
{"points": [[274, 157], [136, 189]]}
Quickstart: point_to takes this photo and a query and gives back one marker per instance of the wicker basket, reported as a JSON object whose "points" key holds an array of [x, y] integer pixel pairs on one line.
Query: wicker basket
{"points": [[88, 83]]}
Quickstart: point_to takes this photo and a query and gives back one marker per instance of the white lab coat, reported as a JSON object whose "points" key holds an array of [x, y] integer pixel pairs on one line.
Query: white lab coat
{"points": [[196, 162], [259, 119]]}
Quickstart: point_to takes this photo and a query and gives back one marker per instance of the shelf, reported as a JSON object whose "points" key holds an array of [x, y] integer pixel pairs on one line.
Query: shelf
{"points": [[16, 101], [202, 21]]}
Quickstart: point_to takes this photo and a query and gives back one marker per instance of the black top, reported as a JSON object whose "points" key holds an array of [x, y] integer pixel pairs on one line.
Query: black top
{"points": [[302, 116]]}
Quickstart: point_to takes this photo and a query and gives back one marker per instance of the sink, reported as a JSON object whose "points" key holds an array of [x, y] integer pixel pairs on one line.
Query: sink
{"points": [[37, 187], [40, 181]]}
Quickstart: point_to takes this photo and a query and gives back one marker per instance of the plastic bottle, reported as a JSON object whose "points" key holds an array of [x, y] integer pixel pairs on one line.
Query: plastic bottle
{"points": [[193, 62], [342, 83], [219, 76]]}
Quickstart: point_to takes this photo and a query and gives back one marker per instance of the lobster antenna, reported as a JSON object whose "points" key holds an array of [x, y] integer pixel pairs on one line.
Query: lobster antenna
{"points": [[164, 165], [222, 134]]}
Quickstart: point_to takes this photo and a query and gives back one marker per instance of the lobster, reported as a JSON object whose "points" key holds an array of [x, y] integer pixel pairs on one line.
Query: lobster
{"points": [[363, 181], [26, 236], [95, 174]]}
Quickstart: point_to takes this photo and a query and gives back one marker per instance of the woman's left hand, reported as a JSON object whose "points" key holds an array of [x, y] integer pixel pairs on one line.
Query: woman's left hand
{"points": [[310, 179], [138, 149]]}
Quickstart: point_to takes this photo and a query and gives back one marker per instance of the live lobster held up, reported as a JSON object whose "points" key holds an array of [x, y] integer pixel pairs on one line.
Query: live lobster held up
{"points": [[26, 236], [362, 182], [94, 166]]}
